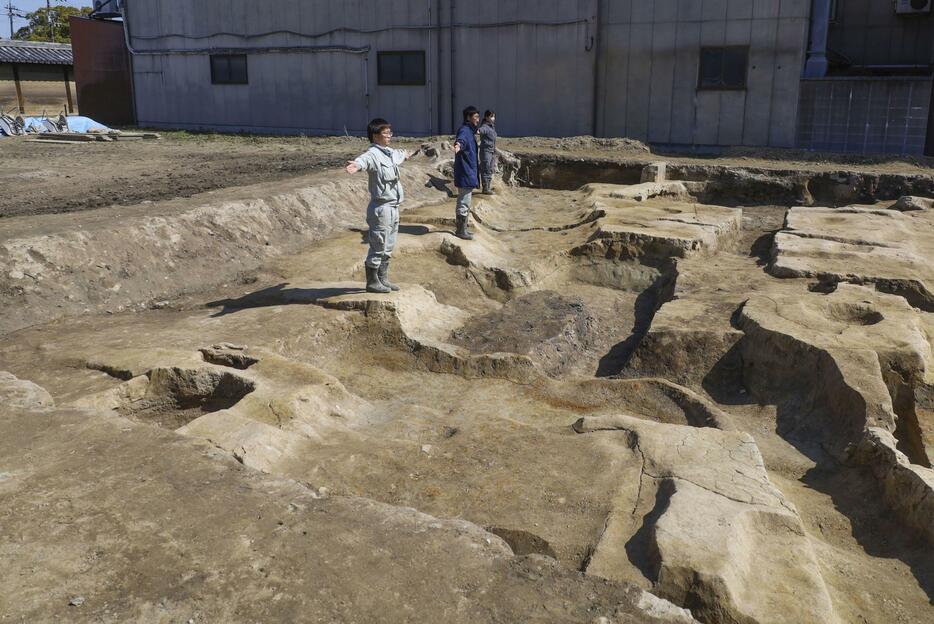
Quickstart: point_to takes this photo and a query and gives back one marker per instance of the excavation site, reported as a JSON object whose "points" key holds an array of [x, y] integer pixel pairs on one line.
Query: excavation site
{"points": [[650, 389]]}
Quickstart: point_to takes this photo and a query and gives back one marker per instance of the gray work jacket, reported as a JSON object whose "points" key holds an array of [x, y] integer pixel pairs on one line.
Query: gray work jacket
{"points": [[382, 165], [488, 137], [487, 149]]}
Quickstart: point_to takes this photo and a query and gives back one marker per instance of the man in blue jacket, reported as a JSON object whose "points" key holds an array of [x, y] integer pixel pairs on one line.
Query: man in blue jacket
{"points": [[465, 168]]}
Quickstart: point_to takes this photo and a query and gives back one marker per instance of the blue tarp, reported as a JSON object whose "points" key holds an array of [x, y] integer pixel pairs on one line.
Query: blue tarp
{"points": [[75, 124], [84, 124], [35, 123]]}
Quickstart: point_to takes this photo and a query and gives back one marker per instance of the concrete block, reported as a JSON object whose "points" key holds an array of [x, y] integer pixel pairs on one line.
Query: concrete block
{"points": [[643, 12], [665, 10], [738, 32], [618, 11], [801, 8], [765, 8], [713, 33], [689, 10], [714, 10], [655, 172], [732, 107], [739, 9]]}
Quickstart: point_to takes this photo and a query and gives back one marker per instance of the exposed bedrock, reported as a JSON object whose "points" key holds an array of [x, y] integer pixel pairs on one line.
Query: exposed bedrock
{"points": [[843, 367], [262, 456], [688, 340], [203, 537], [707, 528], [730, 185], [887, 248], [632, 228], [22, 394]]}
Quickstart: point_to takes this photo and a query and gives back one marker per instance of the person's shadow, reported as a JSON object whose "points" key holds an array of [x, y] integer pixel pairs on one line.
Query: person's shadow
{"points": [[404, 228], [279, 295], [440, 184]]}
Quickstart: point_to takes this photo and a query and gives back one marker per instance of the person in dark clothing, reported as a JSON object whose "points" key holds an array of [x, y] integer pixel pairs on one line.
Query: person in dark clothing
{"points": [[487, 151], [465, 169]]}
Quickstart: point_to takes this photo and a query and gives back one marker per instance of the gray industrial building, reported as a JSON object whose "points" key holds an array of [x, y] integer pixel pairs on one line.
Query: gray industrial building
{"points": [[843, 75]]}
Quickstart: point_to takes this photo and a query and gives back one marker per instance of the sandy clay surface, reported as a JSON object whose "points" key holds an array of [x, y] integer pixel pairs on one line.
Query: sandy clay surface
{"points": [[698, 392]]}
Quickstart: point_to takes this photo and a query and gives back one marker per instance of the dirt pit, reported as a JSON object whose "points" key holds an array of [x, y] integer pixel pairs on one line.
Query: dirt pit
{"points": [[622, 401]]}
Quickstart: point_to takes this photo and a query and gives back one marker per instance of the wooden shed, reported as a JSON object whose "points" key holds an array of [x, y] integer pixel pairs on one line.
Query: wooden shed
{"points": [[36, 78]]}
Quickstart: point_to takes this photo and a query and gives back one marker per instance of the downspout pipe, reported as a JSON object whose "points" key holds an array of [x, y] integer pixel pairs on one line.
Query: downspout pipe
{"points": [[439, 89], [597, 67], [130, 53], [453, 65], [428, 75], [816, 64]]}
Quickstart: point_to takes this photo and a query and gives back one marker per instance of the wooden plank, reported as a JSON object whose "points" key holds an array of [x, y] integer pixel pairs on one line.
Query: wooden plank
{"points": [[19, 90], [71, 106], [52, 141], [64, 136]]}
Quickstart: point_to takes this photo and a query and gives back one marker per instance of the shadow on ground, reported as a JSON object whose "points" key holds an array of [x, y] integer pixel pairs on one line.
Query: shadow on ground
{"points": [[279, 295], [857, 496]]}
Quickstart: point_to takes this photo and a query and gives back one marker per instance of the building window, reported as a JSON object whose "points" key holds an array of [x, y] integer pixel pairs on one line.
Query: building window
{"points": [[228, 69], [401, 68], [723, 68]]}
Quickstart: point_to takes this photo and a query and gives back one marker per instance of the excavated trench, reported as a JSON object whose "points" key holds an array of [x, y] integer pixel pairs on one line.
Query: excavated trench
{"points": [[608, 375], [175, 397], [726, 186]]}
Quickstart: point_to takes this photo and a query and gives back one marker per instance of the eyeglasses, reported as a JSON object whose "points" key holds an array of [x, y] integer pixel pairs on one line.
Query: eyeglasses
{"points": [[386, 133]]}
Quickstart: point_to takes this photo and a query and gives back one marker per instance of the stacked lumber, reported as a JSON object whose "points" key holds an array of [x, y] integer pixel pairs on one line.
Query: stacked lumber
{"points": [[90, 137]]}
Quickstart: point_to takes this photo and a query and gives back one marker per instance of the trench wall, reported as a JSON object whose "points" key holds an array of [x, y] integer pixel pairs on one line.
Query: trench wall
{"points": [[119, 258]]}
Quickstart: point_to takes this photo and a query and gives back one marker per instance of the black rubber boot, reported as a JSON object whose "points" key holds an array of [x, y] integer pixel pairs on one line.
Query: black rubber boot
{"points": [[373, 284], [462, 231], [383, 273], [487, 187]]}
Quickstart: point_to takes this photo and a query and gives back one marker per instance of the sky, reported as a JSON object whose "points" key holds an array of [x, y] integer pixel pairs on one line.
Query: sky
{"points": [[27, 6]]}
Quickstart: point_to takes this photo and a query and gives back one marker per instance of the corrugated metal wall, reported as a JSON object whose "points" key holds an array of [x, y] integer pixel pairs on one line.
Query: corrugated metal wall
{"points": [[539, 78], [548, 67], [649, 69]]}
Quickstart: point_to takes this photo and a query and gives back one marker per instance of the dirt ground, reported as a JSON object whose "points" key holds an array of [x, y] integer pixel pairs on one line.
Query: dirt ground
{"points": [[199, 439], [45, 179]]}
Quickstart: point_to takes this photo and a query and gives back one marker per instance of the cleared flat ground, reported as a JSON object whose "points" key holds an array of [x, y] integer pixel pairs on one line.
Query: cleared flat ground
{"points": [[45, 179]]}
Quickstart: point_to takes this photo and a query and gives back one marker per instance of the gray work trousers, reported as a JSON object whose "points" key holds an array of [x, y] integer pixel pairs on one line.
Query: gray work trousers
{"points": [[464, 197], [383, 221]]}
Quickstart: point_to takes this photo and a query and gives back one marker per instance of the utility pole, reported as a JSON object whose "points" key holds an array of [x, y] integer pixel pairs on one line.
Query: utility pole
{"points": [[48, 16], [9, 11]]}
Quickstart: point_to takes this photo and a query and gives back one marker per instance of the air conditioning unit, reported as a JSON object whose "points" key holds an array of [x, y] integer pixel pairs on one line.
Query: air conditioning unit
{"points": [[910, 7], [107, 8]]}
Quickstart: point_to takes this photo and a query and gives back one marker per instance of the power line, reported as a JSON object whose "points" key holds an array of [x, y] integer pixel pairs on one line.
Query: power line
{"points": [[14, 12], [10, 13]]}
